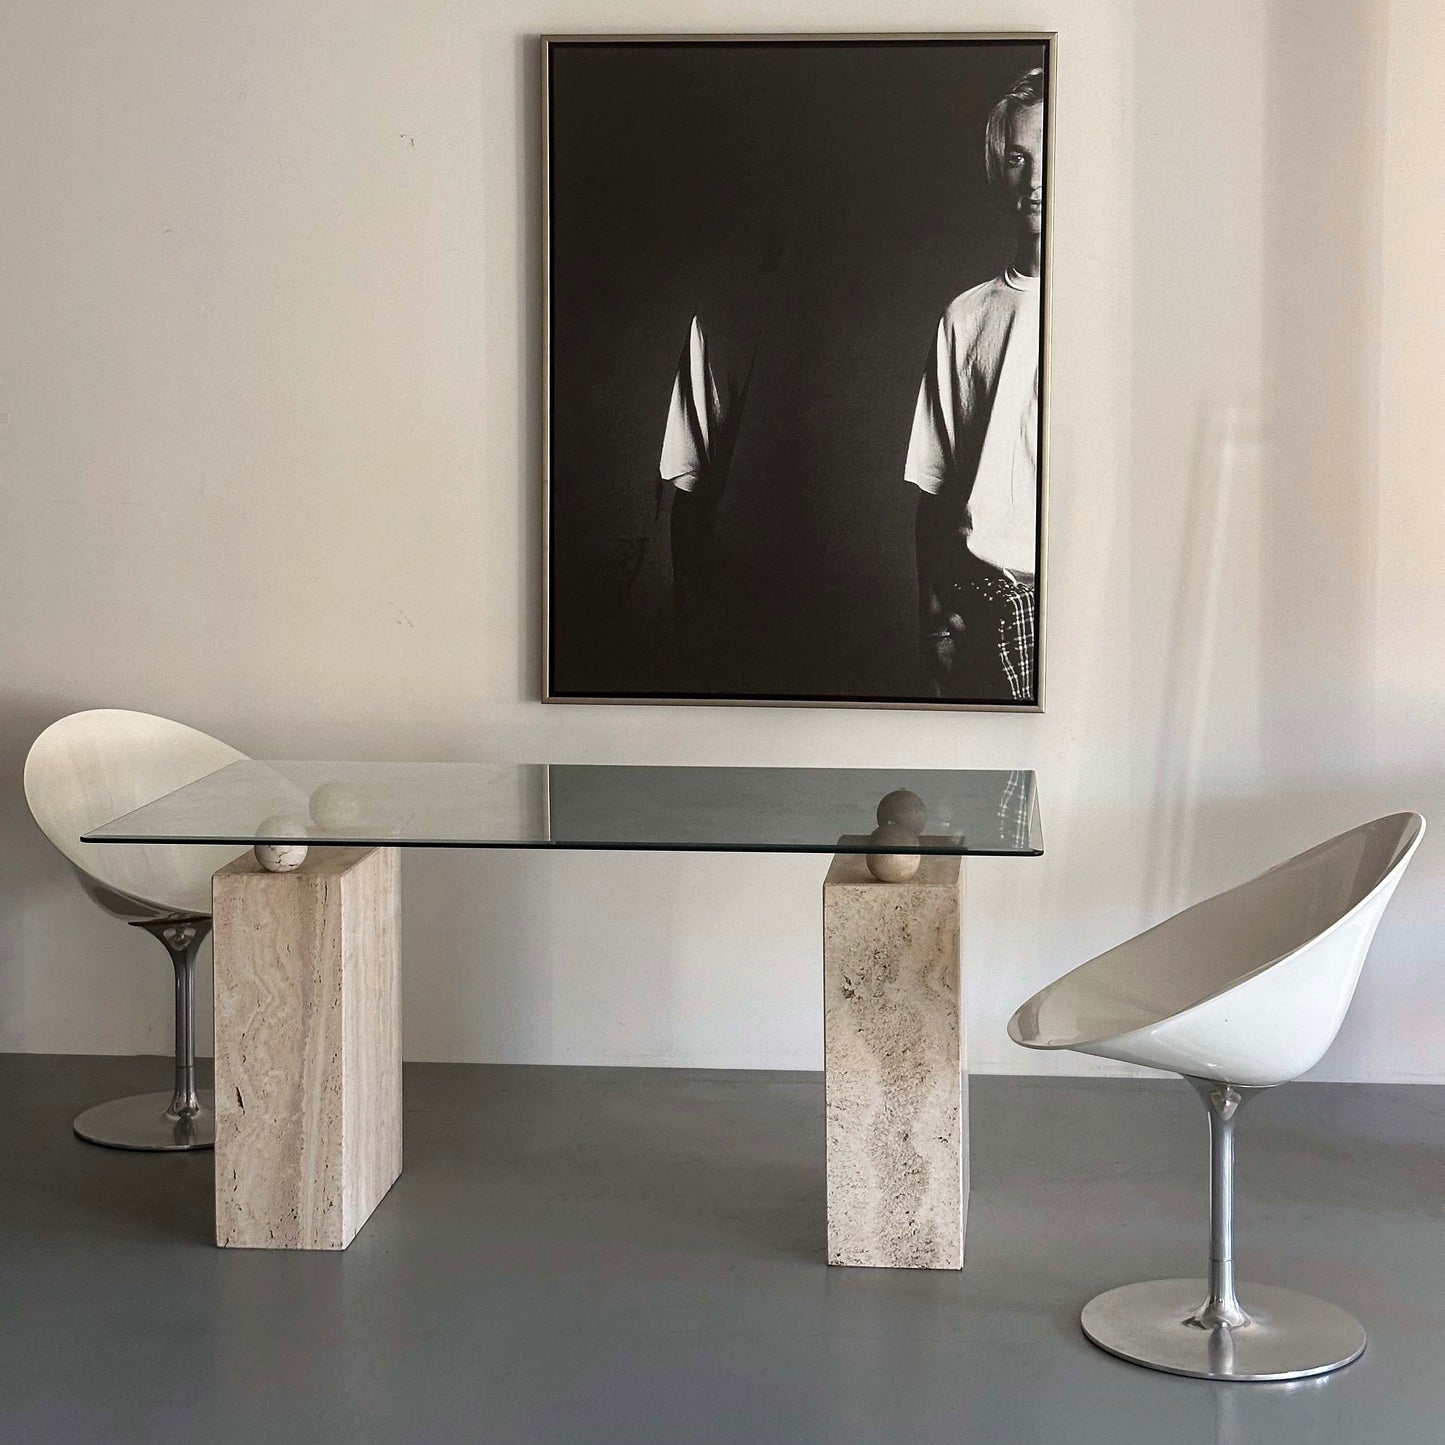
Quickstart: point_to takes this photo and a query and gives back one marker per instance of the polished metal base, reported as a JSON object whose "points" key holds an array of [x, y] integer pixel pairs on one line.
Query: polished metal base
{"points": [[146, 1121], [1287, 1337]]}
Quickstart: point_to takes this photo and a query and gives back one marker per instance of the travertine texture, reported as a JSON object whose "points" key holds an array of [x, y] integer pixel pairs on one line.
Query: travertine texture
{"points": [[896, 1086], [308, 1047]]}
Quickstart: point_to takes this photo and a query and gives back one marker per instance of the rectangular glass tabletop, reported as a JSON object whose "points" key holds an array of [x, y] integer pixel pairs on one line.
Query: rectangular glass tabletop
{"points": [[554, 805]]}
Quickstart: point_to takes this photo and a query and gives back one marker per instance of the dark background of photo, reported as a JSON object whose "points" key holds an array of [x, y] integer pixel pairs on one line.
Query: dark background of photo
{"points": [[818, 205]]}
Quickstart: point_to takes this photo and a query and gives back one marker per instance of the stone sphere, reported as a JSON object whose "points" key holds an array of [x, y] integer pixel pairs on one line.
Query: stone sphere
{"points": [[889, 867], [281, 857], [335, 805], [904, 808]]}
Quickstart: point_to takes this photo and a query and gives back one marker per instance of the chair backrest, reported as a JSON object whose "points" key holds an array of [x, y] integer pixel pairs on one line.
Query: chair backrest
{"points": [[93, 766], [1250, 986]]}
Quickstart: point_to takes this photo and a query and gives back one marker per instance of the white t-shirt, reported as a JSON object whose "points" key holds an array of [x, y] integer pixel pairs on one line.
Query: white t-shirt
{"points": [[694, 416], [977, 421]]}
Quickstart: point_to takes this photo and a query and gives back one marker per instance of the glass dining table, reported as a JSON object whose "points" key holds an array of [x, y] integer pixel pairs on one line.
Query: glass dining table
{"points": [[307, 961]]}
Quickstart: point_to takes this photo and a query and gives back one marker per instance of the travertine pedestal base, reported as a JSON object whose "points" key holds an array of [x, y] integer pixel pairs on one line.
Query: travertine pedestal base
{"points": [[893, 1056], [308, 1047]]}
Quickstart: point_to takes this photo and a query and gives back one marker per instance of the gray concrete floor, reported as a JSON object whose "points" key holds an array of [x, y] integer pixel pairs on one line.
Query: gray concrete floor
{"points": [[590, 1255]]}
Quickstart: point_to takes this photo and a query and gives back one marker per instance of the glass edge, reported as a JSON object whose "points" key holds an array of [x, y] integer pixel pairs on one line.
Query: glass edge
{"points": [[547, 845]]}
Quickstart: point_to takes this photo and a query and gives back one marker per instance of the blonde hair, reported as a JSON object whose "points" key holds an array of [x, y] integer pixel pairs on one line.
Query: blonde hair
{"points": [[1027, 90]]}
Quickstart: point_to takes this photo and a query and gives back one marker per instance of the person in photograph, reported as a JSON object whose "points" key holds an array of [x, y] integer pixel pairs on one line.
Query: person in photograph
{"points": [[724, 447], [697, 447], [973, 453]]}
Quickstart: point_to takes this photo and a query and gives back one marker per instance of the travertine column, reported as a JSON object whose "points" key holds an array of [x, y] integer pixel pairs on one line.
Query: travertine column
{"points": [[893, 1058], [308, 1047]]}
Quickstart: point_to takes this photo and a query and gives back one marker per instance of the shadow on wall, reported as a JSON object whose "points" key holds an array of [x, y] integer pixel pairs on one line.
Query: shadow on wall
{"points": [[1323, 198], [1265, 500], [1269, 738], [1217, 515]]}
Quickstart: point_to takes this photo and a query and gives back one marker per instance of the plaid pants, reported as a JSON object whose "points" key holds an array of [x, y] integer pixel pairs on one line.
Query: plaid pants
{"points": [[998, 645]]}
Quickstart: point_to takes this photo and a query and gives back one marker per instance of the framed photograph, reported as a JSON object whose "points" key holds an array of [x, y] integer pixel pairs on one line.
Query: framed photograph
{"points": [[796, 369]]}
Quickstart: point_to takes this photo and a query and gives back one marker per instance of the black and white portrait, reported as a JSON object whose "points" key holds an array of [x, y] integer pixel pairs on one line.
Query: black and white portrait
{"points": [[796, 319]]}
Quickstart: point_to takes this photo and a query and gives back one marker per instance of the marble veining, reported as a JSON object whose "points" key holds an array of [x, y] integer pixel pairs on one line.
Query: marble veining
{"points": [[308, 1047], [893, 1044]]}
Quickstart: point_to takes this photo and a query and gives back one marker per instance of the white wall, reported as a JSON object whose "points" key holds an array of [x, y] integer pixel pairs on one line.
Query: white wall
{"points": [[269, 316]]}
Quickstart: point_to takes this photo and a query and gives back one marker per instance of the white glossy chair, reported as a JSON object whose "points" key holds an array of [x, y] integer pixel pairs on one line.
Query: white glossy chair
{"points": [[1239, 993], [81, 772]]}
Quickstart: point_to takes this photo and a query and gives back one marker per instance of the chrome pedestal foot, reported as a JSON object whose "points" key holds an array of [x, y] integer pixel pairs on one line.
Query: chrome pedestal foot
{"points": [[184, 1118], [1200, 1327], [149, 1121], [1286, 1336]]}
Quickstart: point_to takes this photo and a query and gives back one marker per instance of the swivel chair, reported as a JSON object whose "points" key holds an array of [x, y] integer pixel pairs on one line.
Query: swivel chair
{"points": [[1239, 993], [81, 772]]}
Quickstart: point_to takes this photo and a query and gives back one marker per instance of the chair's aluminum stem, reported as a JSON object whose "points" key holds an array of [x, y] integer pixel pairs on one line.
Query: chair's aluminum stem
{"points": [[1223, 1101], [1221, 1207], [183, 939]]}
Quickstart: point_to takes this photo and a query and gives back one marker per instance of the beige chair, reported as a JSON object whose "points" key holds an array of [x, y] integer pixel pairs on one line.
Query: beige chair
{"points": [[1239, 993], [81, 772]]}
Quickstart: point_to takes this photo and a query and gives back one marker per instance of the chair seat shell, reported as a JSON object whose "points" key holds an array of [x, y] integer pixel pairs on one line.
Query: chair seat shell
{"points": [[1249, 987], [93, 766]]}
